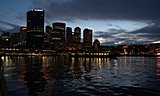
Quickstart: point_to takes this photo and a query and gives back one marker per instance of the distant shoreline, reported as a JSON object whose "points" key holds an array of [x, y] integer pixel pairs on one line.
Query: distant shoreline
{"points": [[75, 55]]}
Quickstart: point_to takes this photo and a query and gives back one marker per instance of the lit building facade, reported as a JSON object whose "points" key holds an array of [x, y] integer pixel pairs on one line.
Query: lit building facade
{"points": [[35, 28]]}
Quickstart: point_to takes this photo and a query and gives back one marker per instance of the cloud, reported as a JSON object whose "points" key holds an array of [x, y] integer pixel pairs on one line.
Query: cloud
{"points": [[144, 35], [100, 9], [72, 10], [10, 27], [109, 36], [152, 32], [113, 26]]}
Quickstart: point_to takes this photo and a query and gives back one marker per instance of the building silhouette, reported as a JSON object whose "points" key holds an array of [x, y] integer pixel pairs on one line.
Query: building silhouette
{"points": [[35, 28], [5, 39], [87, 38], [73, 39], [48, 29], [48, 37], [96, 45], [15, 37], [58, 36], [77, 37], [23, 33], [69, 37]]}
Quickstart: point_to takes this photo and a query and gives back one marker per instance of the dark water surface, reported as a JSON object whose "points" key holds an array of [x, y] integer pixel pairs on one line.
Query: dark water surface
{"points": [[62, 76]]}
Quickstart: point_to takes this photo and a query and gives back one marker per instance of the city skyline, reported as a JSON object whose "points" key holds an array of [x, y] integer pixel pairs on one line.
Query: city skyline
{"points": [[113, 22]]}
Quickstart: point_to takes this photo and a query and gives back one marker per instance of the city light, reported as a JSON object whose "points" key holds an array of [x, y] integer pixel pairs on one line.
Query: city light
{"points": [[37, 10], [34, 39], [86, 48]]}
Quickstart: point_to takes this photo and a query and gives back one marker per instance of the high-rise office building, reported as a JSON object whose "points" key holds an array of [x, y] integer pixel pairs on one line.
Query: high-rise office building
{"points": [[58, 35], [47, 37], [35, 28], [69, 36], [87, 38], [77, 37], [35, 20]]}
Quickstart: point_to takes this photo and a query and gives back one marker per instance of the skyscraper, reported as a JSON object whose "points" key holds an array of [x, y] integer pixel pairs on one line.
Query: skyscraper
{"points": [[69, 37], [35, 20], [47, 38], [77, 37], [87, 38], [35, 28], [58, 35]]}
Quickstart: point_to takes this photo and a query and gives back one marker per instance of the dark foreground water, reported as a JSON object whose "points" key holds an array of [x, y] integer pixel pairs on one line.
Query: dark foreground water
{"points": [[61, 76]]}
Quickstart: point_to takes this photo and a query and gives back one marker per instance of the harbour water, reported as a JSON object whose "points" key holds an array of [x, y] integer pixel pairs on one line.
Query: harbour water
{"points": [[62, 76]]}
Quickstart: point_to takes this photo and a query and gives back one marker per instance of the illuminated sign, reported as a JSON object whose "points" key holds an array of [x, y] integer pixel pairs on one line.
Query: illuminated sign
{"points": [[37, 10], [24, 28]]}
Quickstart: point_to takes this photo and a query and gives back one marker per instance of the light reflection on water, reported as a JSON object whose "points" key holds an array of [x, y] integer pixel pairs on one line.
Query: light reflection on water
{"points": [[59, 76]]}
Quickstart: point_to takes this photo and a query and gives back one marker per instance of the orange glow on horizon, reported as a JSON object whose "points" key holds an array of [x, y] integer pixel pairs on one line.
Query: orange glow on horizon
{"points": [[125, 47]]}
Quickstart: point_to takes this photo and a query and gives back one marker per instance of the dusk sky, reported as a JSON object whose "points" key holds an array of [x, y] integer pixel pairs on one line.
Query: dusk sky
{"points": [[112, 21]]}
